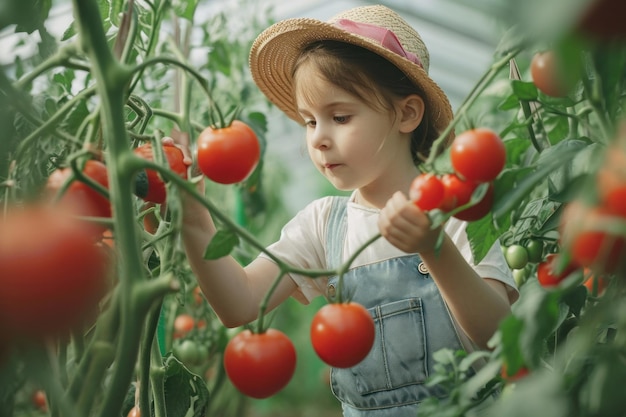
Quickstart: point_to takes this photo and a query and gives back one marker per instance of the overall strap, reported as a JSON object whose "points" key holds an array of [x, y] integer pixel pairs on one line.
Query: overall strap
{"points": [[336, 231]]}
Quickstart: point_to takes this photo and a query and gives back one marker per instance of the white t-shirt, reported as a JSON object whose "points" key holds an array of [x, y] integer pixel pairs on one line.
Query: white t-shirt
{"points": [[302, 244]]}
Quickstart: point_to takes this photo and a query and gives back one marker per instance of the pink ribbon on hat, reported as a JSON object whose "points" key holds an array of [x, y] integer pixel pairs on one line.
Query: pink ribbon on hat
{"points": [[384, 36]]}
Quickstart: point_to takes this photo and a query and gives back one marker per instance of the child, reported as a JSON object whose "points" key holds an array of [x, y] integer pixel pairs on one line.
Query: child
{"points": [[360, 86]]}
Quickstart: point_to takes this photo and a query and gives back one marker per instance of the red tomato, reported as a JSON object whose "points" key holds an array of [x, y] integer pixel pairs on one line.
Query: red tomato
{"points": [[478, 155], [478, 210], [546, 274], [84, 200], [547, 76], [456, 191], [598, 250], [342, 334], [149, 186], [39, 400], [260, 365], [228, 155], [53, 274], [426, 192], [183, 324]]}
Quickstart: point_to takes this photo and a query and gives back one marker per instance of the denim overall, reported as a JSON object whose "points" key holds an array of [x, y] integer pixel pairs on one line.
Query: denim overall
{"points": [[412, 322]]}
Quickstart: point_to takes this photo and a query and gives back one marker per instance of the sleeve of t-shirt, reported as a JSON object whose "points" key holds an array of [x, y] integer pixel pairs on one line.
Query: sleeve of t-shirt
{"points": [[493, 265], [301, 245]]}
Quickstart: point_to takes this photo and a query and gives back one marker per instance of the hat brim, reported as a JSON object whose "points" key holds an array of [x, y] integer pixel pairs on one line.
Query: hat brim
{"points": [[276, 50]]}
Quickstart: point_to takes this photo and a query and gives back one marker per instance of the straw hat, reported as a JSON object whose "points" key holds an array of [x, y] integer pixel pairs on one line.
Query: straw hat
{"points": [[377, 28]]}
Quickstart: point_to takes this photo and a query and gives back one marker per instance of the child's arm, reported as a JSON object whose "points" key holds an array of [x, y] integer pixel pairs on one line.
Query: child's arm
{"points": [[478, 304], [233, 291]]}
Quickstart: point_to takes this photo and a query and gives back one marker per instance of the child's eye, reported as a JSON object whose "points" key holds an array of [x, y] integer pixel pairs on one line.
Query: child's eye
{"points": [[341, 119], [310, 123]]}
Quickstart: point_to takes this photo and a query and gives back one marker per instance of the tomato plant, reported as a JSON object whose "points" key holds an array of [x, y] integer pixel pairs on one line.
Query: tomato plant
{"points": [[260, 364], [149, 184], [342, 334], [516, 256], [548, 76], [229, 154], [426, 192], [478, 155], [53, 274], [81, 197]]}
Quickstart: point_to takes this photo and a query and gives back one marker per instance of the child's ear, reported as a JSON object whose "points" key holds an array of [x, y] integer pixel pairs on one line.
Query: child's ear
{"points": [[412, 112]]}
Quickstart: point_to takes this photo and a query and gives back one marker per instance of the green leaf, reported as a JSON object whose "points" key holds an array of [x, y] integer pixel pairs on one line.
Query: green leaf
{"points": [[221, 245], [548, 161], [186, 394], [524, 90], [185, 8], [482, 234]]}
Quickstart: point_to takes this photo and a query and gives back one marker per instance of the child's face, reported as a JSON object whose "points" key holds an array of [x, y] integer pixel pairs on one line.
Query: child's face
{"points": [[352, 144]]}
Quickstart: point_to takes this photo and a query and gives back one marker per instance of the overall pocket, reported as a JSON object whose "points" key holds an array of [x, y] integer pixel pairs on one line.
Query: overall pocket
{"points": [[398, 357]]}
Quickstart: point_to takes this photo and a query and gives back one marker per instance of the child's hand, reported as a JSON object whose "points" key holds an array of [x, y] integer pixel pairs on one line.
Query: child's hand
{"points": [[181, 140], [405, 226]]}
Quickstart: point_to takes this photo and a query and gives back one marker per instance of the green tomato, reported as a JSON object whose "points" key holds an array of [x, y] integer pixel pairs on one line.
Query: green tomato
{"points": [[534, 247], [189, 352], [520, 276], [516, 256]]}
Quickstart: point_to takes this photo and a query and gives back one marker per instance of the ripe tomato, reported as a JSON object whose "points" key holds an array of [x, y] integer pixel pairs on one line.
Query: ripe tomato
{"points": [[228, 155], [183, 324], [478, 210], [84, 200], [456, 191], [149, 185], [426, 192], [52, 272], [546, 274], [40, 400], [478, 155], [516, 256], [598, 250], [342, 334], [260, 365], [548, 77]]}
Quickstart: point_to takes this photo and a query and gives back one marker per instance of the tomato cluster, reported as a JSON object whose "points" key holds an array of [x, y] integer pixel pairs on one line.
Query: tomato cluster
{"points": [[261, 364], [590, 231], [228, 155], [477, 156]]}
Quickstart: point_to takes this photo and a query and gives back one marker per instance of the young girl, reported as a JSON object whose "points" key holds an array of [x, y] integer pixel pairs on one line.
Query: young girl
{"points": [[359, 84]]}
